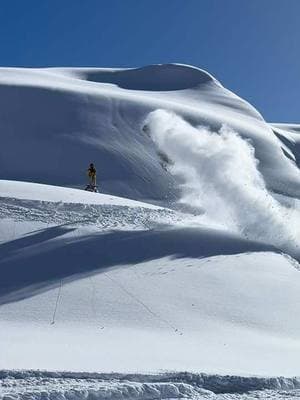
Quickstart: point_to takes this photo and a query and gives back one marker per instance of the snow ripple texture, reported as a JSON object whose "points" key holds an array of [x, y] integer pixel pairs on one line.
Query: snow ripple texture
{"points": [[38, 385], [101, 216]]}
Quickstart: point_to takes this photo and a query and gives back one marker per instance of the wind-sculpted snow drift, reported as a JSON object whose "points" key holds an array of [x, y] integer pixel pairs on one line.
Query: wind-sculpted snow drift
{"points": [[220, 176]]}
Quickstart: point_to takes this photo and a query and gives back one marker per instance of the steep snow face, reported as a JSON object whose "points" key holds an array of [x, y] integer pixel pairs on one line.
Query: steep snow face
{"points": [[70, 117]]}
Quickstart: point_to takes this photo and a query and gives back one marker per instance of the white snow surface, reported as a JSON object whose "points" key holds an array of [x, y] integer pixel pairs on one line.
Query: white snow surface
{"points": [[56, 194], [188, 259]]}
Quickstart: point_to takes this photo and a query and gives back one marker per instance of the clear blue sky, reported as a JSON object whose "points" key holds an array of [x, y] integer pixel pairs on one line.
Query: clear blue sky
{"points": [[251, 46]]}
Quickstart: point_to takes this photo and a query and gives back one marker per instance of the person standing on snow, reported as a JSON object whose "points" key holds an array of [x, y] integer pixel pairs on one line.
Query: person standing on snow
{"points": [[92, 174]]}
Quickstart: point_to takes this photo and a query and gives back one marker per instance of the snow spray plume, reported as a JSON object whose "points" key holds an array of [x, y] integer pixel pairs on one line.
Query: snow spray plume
{"points": [[220, 175]]}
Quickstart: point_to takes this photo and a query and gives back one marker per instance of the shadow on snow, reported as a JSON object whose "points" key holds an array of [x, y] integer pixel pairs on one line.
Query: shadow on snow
{"points": [[37, 262]]}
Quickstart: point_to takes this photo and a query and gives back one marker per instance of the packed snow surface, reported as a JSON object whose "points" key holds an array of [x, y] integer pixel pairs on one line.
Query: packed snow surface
{"points": [[188, 259]]}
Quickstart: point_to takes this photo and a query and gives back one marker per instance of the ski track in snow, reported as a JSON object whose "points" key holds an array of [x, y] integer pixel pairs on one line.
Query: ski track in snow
{"points": [[99, 216], [38, 385]]}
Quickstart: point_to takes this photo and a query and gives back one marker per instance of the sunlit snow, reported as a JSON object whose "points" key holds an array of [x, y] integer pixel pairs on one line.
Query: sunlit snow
{"points": [[186, 261]]}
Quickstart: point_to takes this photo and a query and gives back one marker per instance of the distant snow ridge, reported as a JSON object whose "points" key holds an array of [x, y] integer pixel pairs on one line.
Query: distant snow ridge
{"points": [[220, 175]]}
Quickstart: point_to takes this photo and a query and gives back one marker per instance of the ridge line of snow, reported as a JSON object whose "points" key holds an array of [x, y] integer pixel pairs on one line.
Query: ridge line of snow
{"points": [[116, 93]]}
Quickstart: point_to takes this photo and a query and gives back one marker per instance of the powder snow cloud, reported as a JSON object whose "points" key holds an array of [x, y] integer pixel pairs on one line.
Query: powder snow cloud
{"points": [[220, 175]]}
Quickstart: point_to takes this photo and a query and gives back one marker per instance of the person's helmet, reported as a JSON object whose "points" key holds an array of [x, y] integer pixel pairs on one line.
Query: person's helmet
{"points": [[91, 165]]}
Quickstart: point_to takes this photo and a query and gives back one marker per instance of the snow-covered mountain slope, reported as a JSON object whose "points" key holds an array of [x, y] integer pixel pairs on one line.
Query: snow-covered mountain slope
{"points": [[55, 121], [187, 260]]}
